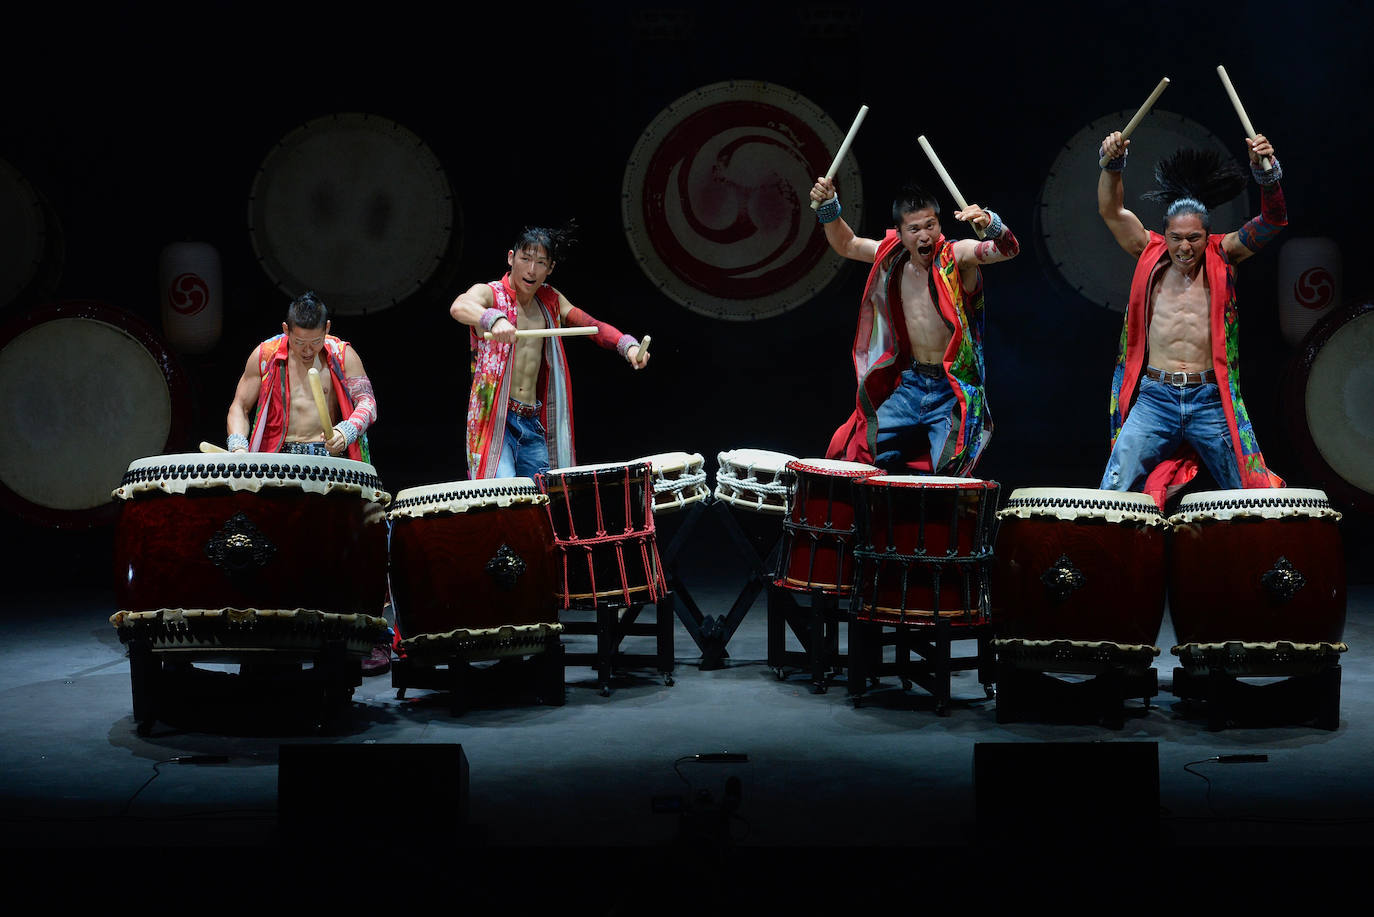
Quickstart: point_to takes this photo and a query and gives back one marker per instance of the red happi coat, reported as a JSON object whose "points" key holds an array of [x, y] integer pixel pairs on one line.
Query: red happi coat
{"points": [[274, 394]]}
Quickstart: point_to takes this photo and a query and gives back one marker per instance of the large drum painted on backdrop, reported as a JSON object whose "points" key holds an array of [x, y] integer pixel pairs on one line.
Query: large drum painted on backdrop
{"points": [[1257, 566], [923, 548], [603, 532], [471, 555], [226, 542], [1079, 564], [820, 527]]}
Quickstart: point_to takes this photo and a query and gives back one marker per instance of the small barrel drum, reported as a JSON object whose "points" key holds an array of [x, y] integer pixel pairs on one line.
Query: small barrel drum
{"points": [[679, 480], [251, 550], [754, 480], [923, 547], [1079, 564], [603, 534], [469, 558], [819, 530], [1256, 566]]}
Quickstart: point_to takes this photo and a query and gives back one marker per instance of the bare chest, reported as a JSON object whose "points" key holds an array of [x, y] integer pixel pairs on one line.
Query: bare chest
{"points": [[305, 424], [925, 326]]}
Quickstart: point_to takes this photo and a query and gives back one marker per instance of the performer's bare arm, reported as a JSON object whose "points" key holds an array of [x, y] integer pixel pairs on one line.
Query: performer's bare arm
{"points": [[1126, 227], [838, 233], [364, 405], [245, 398], [607, 336], [1257, 233], [970, 253], [469, 307]]}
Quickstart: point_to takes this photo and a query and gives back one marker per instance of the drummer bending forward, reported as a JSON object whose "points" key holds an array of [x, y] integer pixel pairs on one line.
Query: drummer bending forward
{"points": [[520, 407], [275, 384], [918, 351], [1176, 388]]}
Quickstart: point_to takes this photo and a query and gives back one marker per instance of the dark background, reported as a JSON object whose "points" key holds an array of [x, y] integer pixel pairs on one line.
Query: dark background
{"points": [[145, 127]]}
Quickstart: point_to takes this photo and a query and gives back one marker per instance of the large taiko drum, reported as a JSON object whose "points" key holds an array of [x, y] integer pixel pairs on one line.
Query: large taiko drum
{"points": [[255, 551], [1079, 564], [88, 388], [679, 480], [754, 480], [820, 527], [1256, 566], [923, 548], [472, 567], [603, 533]]}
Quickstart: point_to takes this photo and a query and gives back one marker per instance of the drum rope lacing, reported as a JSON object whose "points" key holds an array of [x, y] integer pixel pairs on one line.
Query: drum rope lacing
{"points": [[225, 471]]}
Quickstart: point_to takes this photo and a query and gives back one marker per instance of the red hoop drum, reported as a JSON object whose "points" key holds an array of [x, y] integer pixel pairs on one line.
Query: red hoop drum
{"points": [[471, 556], [923, 548], [603, 534], [1079, 564], [1257, 566], [818, 531], [251, 550]]}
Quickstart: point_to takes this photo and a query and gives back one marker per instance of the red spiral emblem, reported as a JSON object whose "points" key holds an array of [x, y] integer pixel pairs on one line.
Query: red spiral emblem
{"points": [[1314, 288], [715, 200], [188, 294]]}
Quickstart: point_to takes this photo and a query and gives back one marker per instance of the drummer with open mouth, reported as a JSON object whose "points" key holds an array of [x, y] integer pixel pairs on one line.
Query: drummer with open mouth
{"points": [[292, 414], [520, 406]]}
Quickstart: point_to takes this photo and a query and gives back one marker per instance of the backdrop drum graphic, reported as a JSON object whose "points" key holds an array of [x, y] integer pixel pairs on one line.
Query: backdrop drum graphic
{"points": [[715, 199], [32, 254], [1071, 236], [354, 207], [88, 389]]}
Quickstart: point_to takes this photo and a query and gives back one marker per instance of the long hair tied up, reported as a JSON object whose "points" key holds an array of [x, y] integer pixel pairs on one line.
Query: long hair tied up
{"points": [[1203, 175]]}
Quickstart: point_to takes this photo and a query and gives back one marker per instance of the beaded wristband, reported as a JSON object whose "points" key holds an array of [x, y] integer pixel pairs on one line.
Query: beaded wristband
{"points": [[994, 229], [237, 441], [623, 346], [829, 212], [1113, 165], [1267, 176], [349, 431], [490, 318]]}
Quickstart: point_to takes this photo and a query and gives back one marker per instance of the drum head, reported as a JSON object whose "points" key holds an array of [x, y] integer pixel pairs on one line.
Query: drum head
{"points": [[750, 461], [715, 203], [88, 389], [1071, 236], [31, 258], [834, 467], [354, 207], [1328, 396]]}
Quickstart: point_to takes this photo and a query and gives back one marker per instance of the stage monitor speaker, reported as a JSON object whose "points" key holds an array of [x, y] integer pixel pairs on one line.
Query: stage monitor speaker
{"points": [[325, 789], [1036, 795]]}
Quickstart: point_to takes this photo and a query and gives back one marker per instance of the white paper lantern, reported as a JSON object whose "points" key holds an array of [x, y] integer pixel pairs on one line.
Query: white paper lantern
{"points": [[191, 282], [1309, 284]]}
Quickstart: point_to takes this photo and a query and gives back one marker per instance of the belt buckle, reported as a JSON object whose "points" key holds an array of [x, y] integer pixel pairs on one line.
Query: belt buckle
{"points": [[1178, 379]]}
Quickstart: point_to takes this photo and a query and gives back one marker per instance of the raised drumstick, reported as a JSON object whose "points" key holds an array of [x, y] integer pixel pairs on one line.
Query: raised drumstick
{"points": [[643, 348], [211, 447], [577, 331], [944, 176], [1139, 116], [844, 147], [1240, 110], [320, 404]]}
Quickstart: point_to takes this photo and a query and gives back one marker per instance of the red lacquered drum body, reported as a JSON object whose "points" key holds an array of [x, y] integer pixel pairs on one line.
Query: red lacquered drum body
{"points": [[471, 555], [603, 533], [1257, 566], [1079, 564], [251, 530], [819, 530], [923, 548]]}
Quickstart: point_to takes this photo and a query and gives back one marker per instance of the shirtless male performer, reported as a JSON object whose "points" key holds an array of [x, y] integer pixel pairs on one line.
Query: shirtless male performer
{"points": [[918, 351], [520, 406], [1176, 388]]}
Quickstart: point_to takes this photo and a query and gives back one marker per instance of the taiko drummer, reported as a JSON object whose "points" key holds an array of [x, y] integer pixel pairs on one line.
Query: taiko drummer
{"points": [[292, 413], [520, 406]]}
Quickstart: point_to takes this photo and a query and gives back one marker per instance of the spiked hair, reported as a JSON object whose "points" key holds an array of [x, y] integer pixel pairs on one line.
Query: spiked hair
{"points": [[910, 199], [1194, 181], [306, 312], [554, 242]]}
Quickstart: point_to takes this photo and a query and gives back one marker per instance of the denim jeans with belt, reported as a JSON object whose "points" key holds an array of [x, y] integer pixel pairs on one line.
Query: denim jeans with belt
{"points": [[1164, 417], [915, 417], [525, 450]]}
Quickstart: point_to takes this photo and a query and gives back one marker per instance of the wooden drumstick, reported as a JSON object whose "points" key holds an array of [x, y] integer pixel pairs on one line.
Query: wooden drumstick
{"points": [[578, 331], [1140, 114], [844, 147], [643, 348], [944, 176], [211, 447], [320, 404], [1240, 110]]}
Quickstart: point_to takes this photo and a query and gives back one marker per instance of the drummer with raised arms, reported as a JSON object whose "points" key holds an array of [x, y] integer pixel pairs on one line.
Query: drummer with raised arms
{"points": [[520, 406], [918, 350], [293, 411]]}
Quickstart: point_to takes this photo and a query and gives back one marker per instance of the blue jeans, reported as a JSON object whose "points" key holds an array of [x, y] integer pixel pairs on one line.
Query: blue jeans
{"points": [[1164, 417], [525, 450], [915, 417]]}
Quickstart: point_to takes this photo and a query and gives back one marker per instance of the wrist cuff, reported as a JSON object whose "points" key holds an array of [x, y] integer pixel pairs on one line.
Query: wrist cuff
{"points": [[349, 431], [623, 346], [993, 229], [1113, 165], [490, 317], [237, 441], [1270, 175], [829, 212]]}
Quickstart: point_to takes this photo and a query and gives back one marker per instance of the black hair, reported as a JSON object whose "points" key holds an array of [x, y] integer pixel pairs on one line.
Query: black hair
{"points": [[306, 312], [910, 199], [1195, 181], [555, 242]]}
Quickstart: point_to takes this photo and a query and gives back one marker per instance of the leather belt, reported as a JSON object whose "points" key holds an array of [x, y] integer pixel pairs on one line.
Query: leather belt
{"points": [[521, 409], [934, 370], [1180, 380]]}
